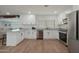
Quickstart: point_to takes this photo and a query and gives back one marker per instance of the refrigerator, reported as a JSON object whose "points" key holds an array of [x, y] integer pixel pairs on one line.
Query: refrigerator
{"points": [[73, 32]]}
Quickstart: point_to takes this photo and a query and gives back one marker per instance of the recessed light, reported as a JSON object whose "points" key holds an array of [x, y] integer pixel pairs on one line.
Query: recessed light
{"points": [[55, 12], [7, 13], [29, 12]]}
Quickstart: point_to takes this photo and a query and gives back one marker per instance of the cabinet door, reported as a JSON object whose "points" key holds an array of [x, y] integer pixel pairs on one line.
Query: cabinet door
{"points": [[28, 19]]}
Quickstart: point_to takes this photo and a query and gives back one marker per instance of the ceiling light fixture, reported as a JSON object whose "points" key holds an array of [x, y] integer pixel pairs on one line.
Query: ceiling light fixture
{"points": [[45, 5], [29, 12], [55, 12], [7, 13]]}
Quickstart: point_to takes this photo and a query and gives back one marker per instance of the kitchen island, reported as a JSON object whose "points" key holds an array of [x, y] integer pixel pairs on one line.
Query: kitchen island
{"points": [[14, 37]]}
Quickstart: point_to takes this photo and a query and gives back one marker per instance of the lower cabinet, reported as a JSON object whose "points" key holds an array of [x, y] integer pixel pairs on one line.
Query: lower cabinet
{"points": [[44, 34], [30, 34], [51, 34]]}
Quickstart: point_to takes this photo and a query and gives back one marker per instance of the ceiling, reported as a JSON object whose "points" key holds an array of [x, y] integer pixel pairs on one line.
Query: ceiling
{"points": [[34, 9]]}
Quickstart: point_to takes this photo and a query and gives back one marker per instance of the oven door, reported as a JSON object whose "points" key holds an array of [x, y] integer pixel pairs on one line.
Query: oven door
{"points": [[63, 36]]}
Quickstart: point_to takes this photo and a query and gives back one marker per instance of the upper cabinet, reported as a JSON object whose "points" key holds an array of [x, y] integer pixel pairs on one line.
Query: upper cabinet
{"points": [[28, 19], [63, 21], [60, 18], [46, 21]]}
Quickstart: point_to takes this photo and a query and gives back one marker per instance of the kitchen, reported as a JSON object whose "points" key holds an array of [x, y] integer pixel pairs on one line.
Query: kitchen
{"points": [[35, 23], [29, 29]]}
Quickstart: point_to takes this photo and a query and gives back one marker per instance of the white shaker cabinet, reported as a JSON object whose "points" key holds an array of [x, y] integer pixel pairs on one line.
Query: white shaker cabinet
{"points": [[51, 34], [30, 34], [14, 38], [27, 19]]}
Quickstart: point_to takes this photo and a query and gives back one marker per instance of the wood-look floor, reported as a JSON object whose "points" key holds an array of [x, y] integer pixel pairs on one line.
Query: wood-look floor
{"points": [[36, 46]]}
